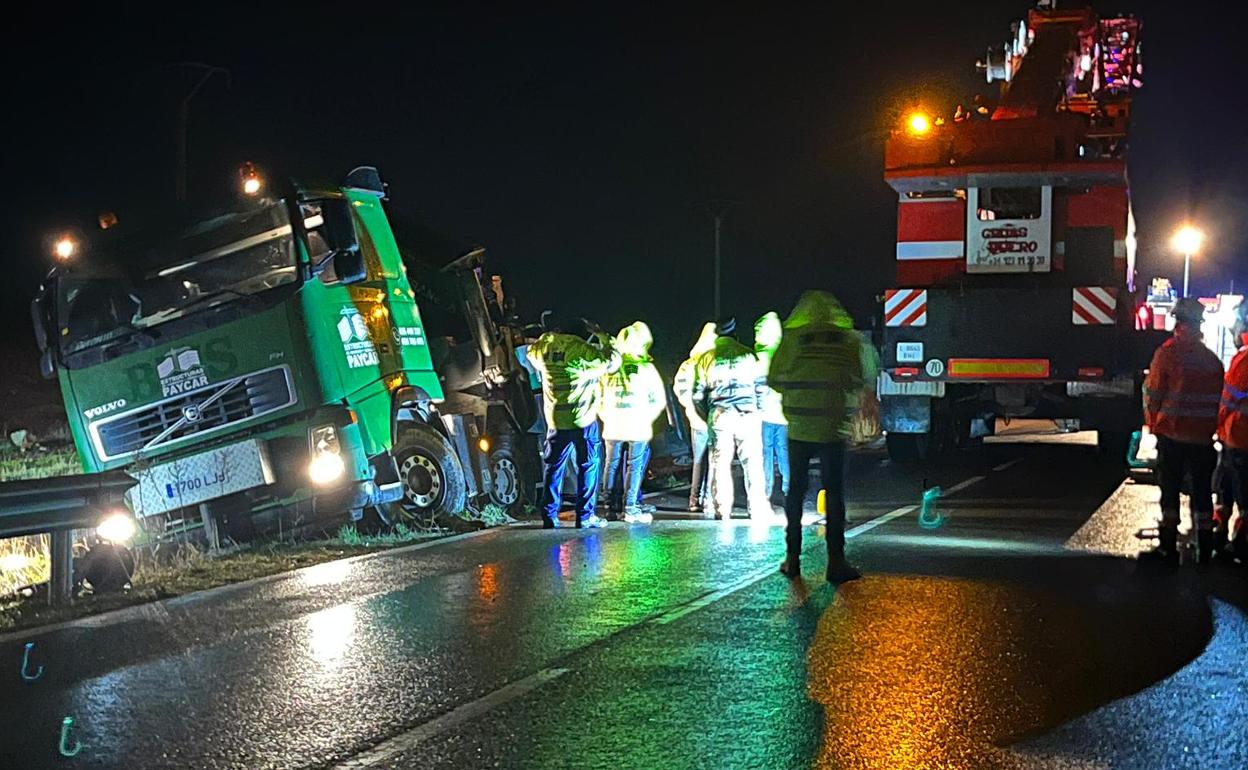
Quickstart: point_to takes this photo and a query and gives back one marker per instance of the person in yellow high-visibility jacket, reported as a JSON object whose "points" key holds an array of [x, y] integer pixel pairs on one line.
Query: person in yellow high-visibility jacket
{"points": [[768, 331], [571, 370], [818, 371], [633, 398], [682, 389], [728, 385]]}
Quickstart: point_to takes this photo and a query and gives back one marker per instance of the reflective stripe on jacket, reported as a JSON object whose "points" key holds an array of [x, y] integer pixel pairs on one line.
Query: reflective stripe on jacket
{"points": [[571, 370], [1183, 389], [1233, 414], [728, 379]]}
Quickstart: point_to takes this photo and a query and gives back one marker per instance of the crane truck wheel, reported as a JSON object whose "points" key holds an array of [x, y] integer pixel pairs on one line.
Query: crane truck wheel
{"points": [[433, 479]]}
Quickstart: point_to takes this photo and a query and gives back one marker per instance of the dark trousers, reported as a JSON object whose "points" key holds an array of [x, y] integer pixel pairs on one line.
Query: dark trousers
{"points": [[698, 486], [1237, 469], [832, 471], [1174, 458], [587, 446]]}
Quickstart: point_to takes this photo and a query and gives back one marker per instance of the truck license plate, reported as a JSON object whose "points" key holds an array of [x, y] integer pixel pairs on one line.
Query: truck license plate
{"points": [[198, 478]]}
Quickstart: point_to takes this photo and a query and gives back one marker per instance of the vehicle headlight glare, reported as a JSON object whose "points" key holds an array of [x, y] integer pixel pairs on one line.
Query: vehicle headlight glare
{"points": [[327, 465], [117, 528]]}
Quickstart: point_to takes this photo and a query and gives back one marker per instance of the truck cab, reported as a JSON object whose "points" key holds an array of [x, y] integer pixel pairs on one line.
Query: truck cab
{"points": [[264, 366]]}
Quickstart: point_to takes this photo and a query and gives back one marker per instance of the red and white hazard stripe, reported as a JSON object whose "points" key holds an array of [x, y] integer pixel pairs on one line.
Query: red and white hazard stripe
{"points": [[1093, 306], [905, 307]]}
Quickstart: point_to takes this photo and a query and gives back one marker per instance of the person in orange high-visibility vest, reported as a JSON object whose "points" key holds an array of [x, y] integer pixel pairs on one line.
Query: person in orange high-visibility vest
{"points": [[1181, 397], [1233, 431]]}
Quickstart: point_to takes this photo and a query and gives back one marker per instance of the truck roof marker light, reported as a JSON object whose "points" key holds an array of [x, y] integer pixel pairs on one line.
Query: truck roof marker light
{"points": [[252, 182], [65, 248]]}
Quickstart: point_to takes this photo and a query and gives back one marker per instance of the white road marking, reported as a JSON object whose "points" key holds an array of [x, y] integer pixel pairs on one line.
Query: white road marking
{"points": [[754, 577], [1007, 465], [393, 748], [972, 481]]}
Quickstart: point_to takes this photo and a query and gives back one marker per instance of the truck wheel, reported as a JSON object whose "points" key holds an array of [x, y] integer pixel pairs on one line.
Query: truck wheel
{"points": [[908, 447], [506, 489], [433, 479]]}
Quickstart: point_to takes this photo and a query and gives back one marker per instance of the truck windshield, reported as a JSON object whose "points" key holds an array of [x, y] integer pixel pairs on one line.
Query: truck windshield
{"points": [[217, 261]]}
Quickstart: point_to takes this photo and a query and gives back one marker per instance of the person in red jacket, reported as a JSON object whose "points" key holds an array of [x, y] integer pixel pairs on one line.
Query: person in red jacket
{"points": [[1233, 430], [1181, 397]]}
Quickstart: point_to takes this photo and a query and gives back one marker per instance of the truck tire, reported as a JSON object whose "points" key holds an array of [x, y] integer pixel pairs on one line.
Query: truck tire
{"points": [[433, 479]]}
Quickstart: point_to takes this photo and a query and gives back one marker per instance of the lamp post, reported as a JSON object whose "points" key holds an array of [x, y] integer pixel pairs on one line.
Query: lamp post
{"points": [[1187, 240]]}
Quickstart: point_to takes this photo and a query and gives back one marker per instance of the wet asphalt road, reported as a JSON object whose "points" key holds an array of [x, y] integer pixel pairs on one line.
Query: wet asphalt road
{"points": [[1014, 634]]}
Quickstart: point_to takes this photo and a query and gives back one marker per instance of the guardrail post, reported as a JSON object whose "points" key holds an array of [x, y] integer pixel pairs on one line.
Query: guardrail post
{"points": [[61, 584]]}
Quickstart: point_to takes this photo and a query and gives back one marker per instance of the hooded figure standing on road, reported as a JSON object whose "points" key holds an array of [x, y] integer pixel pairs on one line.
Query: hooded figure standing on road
{"points": [[682, 389], [728, 385], [818, 371], [1233, 429], [571, 370], [633, 398], [768, 332], [1181, 397]]}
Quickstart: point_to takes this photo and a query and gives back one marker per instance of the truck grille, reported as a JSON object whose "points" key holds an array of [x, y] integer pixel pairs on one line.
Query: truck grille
{"points": [[232, 402]]}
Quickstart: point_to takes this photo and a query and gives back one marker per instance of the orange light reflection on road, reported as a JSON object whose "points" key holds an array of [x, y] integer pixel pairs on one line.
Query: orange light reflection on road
{"points": [[487, 582]]}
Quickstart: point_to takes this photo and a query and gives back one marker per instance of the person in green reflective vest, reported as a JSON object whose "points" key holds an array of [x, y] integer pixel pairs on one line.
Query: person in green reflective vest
{"points": [[682, 390], [633, 398], [768, 332], [571, 370], [818, 371], [728, 385]]}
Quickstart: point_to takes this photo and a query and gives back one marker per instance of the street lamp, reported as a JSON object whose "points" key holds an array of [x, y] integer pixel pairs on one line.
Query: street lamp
{"points": [[1187, 240]]}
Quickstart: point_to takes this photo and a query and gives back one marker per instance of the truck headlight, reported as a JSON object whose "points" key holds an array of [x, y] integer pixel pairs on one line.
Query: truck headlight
{"points": [[116, 528], [326, 465]]}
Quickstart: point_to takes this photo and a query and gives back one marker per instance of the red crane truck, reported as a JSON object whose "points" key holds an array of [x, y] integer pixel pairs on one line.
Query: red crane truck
{"points": [[1016, 248]]}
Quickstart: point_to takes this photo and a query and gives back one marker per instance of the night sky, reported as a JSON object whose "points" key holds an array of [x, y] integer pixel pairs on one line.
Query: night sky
{"points": [[584, 146]]}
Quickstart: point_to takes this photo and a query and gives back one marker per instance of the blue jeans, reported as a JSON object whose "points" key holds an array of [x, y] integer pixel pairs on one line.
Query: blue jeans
{"points": [[775, 453], [624, 476], [587, 447]]}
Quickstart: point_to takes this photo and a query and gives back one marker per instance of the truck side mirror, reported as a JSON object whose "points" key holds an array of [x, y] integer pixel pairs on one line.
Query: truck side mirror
{"points": [[332, 242], [47, 365]]}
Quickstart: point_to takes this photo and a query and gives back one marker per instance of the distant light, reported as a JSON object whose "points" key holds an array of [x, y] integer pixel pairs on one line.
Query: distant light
{"points": [[14, 562], [251, 185], [918, 123], [117, 528], [252, 181], [65, 248], [1187, 239]]}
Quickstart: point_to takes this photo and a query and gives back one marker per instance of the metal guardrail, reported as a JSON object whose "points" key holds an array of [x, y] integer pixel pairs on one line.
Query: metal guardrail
{"points": [[57, 506]]}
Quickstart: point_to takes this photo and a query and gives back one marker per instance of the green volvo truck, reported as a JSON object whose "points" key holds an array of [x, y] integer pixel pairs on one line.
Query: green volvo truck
{"points": [[267, 366]]}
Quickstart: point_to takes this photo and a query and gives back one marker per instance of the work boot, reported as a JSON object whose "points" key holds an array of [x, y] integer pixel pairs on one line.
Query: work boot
{"points": [[632, 515], [841, 571], [648, 508], [694, 507], [590, 522], [1167, 550], [791, 568]]}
